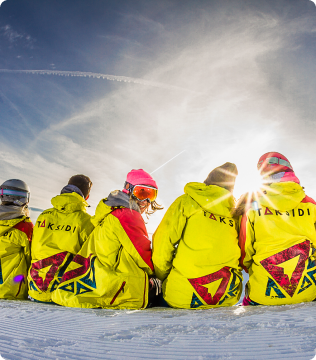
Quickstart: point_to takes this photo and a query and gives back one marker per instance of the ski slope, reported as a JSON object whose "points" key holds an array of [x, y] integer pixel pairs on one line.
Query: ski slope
{"points": [[39, 331]]}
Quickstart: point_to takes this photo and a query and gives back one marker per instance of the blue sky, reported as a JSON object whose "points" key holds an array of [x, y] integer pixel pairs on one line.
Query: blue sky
{"points": [[213, 81]]}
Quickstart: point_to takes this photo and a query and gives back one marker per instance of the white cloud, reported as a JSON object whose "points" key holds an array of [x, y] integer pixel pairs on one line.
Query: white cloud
{"points": [[14, 37]]}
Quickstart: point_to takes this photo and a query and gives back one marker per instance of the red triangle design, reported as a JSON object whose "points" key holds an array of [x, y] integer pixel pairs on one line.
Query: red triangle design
{"points": [[289, 285], [212, 216], [85, 262], [43, 224], [197, 283], [268, 212], [55, 261]]}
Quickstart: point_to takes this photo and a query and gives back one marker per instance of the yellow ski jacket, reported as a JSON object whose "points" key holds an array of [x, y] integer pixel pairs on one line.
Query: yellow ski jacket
{"points": [[58, 235], [278, 239], [15, 257], [196, 252], [111, 270]]}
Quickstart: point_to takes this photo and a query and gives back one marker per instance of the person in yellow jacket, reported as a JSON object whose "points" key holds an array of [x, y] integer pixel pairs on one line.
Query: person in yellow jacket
{"points": [[111, 270], [195, 248], [278, 238], [58, 235], [15, 237]]}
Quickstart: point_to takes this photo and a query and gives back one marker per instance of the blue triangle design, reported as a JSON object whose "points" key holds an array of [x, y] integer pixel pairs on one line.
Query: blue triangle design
{"points": [[64, 267], [81, 289], [311, 274], [311, 263], [56, 283], [32, 286], [86, 279], [272, 285], [226, 297], [304, 286], [69, 287], [195, 302]]}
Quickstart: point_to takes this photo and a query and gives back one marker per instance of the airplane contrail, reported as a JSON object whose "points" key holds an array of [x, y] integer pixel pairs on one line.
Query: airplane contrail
{"points": [[96, 76], [167, 162]]}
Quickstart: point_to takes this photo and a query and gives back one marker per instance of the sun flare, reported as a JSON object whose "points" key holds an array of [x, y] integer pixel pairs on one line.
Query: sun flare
{"points": [[247, 181]]}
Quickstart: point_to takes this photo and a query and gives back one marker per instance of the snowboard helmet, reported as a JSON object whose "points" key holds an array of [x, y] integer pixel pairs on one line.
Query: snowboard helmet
{"points": [[273, 163], [138, 177], [15, 191]]}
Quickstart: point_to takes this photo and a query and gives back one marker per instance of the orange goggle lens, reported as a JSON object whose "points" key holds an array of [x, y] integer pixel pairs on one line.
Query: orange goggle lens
{"points": [[143, 193]]}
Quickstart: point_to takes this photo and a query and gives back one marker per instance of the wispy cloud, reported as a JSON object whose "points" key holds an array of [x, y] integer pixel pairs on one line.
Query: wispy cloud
{"points": [[15, 38]]}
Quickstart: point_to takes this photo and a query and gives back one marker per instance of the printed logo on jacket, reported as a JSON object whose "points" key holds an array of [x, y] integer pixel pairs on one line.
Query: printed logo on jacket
{"points": [[286, 269]]}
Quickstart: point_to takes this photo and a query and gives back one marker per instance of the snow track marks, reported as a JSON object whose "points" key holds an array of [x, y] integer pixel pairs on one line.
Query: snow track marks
{"points": [[38, 331]]}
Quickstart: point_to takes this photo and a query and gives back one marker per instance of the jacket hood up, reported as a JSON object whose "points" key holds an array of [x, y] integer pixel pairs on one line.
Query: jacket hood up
{"points": [[69, 202], [211, 198], [282, 196]]}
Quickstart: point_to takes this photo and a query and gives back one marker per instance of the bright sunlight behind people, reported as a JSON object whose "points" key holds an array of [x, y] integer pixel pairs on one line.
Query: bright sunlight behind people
{"points": [[248, 180]]}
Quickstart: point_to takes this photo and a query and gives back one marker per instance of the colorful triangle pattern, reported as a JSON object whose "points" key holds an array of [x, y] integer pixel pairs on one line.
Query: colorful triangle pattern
{"points": [[273, 266], [198, 283]]}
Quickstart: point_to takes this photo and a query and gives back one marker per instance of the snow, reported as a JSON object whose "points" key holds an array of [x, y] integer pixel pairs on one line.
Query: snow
{"points": [[40, 331]]}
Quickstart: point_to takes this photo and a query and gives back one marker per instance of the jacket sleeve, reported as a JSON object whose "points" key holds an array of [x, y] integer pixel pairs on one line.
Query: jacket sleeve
{"points": [[24, 238], [167, 236], [133, 236], [246, 240], [86, 229]]}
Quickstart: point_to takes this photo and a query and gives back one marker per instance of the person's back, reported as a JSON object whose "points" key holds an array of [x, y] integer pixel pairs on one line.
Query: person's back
{"points": [[15, 236], [111, 270], [278, 238], [195, 248], [58, 235]]}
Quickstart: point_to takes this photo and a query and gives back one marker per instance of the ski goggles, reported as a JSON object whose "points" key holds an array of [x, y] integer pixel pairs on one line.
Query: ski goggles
{"points": [[15, 193], [276, 161], [143, 192]]}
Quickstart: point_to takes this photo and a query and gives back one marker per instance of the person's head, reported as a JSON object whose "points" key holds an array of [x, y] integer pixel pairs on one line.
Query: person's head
{"points": [[273, 163], [143, 189], [14, 192], [275, 167], [82, 182], [223, 176]]}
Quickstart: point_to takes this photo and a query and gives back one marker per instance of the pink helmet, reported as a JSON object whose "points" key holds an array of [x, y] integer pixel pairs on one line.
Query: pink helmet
{"points": [[272, 163], [140, 177]]}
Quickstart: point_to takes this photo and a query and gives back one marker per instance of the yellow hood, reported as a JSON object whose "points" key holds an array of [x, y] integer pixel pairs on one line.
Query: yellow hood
{"points": [[283, 196], [211, 198], [101, 212], [69, 202]]}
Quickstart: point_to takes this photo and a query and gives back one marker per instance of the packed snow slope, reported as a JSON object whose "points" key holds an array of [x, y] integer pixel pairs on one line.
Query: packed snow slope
{"points": [[39, 331]]}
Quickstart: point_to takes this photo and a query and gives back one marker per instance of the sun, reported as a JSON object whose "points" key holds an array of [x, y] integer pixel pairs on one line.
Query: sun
{"points": [[247, 181]]}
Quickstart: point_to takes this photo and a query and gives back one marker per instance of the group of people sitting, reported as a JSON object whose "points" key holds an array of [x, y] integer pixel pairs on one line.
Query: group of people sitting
{"points": [[198, 251]]}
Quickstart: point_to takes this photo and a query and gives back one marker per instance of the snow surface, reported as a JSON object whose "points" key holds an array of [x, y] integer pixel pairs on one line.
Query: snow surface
{"points": [[40, 331]]}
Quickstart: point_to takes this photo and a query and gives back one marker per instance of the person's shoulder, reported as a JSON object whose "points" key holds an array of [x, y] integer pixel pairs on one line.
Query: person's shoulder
{"points": [[308, 199], [25, 226], [126, 213]]}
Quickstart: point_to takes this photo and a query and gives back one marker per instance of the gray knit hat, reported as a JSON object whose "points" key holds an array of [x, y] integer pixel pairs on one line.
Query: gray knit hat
{"points": [[223, 176]]}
